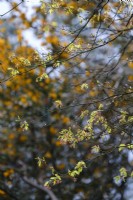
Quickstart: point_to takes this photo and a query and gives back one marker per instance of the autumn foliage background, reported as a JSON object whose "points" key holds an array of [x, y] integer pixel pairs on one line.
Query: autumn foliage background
{"points": [[66, 109]]}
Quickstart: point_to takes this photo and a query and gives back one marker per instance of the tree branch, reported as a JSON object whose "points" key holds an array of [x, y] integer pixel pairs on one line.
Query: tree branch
{"points": [[12, 8], [40, 187]]}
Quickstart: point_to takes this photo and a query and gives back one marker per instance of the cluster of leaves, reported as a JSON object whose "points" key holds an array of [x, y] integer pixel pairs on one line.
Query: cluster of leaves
{"points": [[123, 175], [77, 170]]}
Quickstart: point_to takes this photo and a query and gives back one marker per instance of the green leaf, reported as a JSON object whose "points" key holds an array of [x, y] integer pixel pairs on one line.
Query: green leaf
{"points": [[117, 179], [121, 147], [84, 86]]}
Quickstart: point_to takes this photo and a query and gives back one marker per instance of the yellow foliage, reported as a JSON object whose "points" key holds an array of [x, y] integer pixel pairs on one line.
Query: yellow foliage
{"points": [[8, 103], [130, 78], [47, 80], [73, 5], [52, 39], [111, 93], [48, 155], [58, 143], [93, 93], [53, 95], [11, 136], [22, 16], [3, 29], [130, 64], [24, 50], [2, 193], [8, 172], [23, 100], [87, 73], [107, 7], [64, 55], [65, 120], [2, 42], [10, 145], [23, 138], [28, 81], [116, 103], [19, 34], [35, 98], [78, 89], [12, 152], [61, 166], [57, 116], [92, 84], [53, 130], [116, 4]]}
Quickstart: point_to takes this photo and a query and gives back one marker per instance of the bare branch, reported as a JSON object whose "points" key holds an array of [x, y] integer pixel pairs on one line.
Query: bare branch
{"points": [[40, 187], [12, 8]]}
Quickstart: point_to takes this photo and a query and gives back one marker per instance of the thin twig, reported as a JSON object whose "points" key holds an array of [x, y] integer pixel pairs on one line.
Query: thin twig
{"points": [[12, 9]]}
